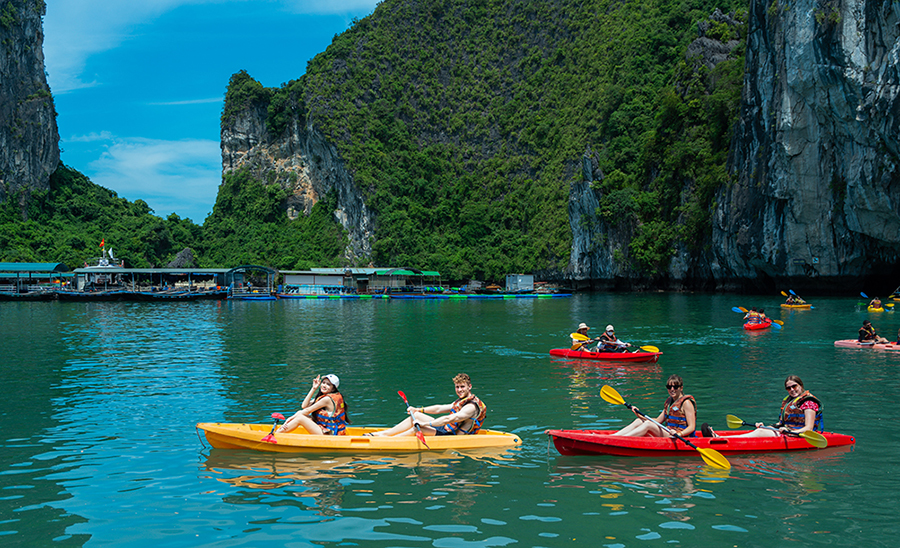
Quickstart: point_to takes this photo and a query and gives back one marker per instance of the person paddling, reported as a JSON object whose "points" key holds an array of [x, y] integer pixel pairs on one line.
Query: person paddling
{"points": [[752, 316], [322, 414], [465, 416], [800, 412], [875, 303], [609, 342], [867, 334], [581, 342], [679, 415]]}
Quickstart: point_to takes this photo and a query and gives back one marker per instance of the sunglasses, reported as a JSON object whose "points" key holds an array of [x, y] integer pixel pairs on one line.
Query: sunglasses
{"points": [[673, 386], [791, 386]]}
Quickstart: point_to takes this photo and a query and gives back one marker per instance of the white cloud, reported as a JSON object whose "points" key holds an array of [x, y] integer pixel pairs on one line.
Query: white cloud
{"points": [[89, 138], [76, 29], [190, 102], [171, 176]]}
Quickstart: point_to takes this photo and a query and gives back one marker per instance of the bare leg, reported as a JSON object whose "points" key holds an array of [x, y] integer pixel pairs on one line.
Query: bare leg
{"points": [[404, 425], [758, 433], [640, 428], [627, 431], [301, 420]]}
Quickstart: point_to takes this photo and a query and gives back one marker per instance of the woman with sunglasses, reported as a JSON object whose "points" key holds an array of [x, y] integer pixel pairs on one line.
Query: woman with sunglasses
{"points": [[679, 415], [322, 414], [800, 412]]}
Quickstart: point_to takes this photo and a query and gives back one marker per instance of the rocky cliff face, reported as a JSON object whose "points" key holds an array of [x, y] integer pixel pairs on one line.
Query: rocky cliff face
{"points": [[305, 164], [29, 140], [816, 159], [817, 152]]}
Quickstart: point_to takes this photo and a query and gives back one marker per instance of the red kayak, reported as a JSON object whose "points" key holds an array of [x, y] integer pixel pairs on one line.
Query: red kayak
{"points": [[757, 325], [607, 356], [601, 442]]}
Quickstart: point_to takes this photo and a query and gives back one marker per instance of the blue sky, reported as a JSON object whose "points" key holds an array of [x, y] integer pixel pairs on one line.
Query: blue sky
{"points": [[139, 86]]}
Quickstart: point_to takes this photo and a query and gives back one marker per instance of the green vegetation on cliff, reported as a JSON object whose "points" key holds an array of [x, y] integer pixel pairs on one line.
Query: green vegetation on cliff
{"points": [[464, 123], [68, 222]]}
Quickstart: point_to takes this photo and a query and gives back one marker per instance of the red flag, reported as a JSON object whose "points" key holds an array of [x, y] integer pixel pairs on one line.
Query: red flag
{"points": [[102, 242]]}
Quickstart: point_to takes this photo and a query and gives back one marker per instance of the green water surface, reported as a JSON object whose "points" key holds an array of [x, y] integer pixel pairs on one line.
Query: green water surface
{"points": [[100, 401]]}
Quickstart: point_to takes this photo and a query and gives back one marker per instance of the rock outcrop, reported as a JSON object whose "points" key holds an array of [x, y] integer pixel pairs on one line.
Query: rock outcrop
{"points": [[815, 157], [29, 140], [817, 152], [304, 163]]}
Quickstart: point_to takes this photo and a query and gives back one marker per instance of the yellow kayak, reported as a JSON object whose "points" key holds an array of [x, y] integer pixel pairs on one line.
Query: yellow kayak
{"points": [[249, 436], [879, 309], [796, 305]]}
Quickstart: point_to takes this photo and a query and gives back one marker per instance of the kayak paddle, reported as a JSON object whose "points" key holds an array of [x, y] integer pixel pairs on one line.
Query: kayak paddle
{"points": [[419, 433], [736, 309], [812, 437], [710, 456], [649, 348], [270, 438], [864, 296], [783, 294]]}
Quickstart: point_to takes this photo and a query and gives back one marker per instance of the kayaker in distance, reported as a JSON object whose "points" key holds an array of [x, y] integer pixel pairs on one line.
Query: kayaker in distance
{"points": [[790, 300], [324, 414], [867, 334], [762, 316], [579, 343], [800, 412], [609, 342], [752, 316], [875, 303], [466, 415], [679, 415]]}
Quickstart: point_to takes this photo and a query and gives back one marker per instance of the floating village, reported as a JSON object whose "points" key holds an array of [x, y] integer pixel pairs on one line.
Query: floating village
{"points": [[106, 278]]}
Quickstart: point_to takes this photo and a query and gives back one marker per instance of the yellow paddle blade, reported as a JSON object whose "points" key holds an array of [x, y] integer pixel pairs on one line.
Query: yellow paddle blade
{"points": [[609, 394], [733, 422], [742, 309], [784, 294], [649, 348], [579, 337], [714, 458], [815, 439], [889, 305], [779, 322]]}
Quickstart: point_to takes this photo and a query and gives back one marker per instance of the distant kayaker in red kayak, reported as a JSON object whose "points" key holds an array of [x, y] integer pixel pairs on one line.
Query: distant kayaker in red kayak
{"points": [[679, 415], [466, 415], [752, 316], [582, 342], [800, 412], [322, 414], [867, 334], [609, 342]]}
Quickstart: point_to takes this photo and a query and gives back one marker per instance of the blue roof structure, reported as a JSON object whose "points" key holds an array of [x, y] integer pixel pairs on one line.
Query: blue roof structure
{"points": [[33, 267]]}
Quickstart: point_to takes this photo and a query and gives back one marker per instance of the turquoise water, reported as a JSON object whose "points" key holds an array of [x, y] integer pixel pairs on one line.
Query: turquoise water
{"points": [[100, 401]]}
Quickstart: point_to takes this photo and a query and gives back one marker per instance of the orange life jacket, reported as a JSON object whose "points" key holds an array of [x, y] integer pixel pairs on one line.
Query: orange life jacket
{"points": [[336, 424], [793, 417], [674, 414], [476, 421]]}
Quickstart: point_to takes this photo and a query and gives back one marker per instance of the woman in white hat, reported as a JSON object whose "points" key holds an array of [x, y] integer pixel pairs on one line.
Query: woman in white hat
{"points": [[322, 414], [580, 339]]}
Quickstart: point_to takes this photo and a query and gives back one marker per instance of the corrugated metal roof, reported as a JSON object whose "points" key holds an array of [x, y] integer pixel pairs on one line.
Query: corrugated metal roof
{"points": [[33, 267], [36, 275]]}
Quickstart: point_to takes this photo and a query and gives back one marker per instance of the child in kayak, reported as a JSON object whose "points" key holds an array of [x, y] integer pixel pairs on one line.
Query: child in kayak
{"points": [[800, 412], [679, 415], [324, 414], [465, 415]]}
